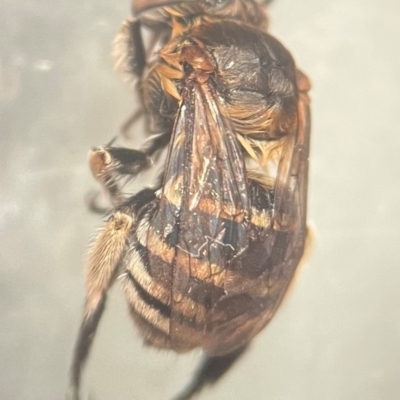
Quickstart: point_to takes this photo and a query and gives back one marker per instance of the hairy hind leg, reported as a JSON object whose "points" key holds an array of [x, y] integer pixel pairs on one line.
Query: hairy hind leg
{"points": [[104, 256], [209, 372], [104, 259]]}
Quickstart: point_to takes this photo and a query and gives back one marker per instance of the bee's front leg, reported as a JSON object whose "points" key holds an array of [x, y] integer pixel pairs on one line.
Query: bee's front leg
{"points": [[109, 165], [129, 49]]}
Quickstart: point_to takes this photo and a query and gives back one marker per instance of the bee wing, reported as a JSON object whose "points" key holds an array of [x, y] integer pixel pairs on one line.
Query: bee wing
{"points": [[256, 284], [227, 276], [290, 190], [203, 203], [205, 186]]}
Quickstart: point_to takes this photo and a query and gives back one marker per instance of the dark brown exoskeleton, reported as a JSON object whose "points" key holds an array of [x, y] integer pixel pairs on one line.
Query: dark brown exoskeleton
{"points": [[206, 255]]}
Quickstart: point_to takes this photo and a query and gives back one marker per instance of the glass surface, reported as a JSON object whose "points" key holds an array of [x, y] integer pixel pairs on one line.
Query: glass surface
{"points": [[337, 338]]}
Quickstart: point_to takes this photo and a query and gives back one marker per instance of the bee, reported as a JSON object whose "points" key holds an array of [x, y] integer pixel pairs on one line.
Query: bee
{"points": [[206, 254]]}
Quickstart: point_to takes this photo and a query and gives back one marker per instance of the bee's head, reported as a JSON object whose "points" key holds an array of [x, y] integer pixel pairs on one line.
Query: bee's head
{"points": [[249, 11]]}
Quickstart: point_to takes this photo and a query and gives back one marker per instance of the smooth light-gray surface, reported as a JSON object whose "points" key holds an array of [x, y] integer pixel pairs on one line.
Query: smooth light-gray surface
{"points": [[338, 338]]}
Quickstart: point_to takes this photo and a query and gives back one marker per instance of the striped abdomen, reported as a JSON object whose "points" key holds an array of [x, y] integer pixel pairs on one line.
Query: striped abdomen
{"points": [[215, 306]]}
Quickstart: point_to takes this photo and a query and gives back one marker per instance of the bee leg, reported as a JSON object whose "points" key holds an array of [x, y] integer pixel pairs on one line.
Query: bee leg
{"points": [[92, 203], [129, 49], [104, 257], [158, 143], [209, 372], [109, 164], [130, 58]]}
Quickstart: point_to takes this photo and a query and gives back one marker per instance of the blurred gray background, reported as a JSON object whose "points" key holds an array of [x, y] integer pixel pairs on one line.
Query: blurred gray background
{"points": [[339, 335]]}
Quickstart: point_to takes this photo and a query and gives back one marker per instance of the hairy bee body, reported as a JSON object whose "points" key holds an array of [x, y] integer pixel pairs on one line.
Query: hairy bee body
{"points": [[206, 256]]}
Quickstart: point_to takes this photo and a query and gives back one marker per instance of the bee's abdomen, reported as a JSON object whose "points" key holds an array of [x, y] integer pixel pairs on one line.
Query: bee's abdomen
{"points": [[180, 303]]}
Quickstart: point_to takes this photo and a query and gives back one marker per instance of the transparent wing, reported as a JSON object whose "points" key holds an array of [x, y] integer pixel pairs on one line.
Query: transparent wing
{"points": [[227, 272], [257, 282], [204, 207]]}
